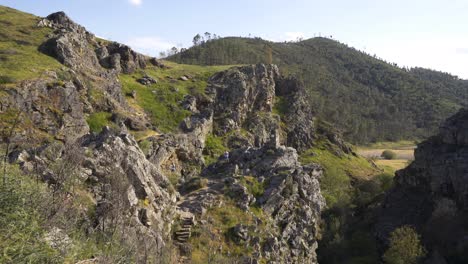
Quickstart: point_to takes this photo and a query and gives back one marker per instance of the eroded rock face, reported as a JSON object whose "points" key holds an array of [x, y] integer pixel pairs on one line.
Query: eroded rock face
{"points": [[114, 155], [77, 48], [241, 93], [130, 189], [53, 108], [292, 198], [130, 193], [432, 193]]}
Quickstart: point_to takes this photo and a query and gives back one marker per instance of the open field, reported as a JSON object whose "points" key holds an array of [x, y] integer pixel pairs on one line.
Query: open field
{"points": [[396, 164], [401, 154], [404, 153]]}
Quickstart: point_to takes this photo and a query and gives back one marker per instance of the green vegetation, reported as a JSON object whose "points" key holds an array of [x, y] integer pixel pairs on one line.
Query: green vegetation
{"points": [[213, 242], [28, 211], [214, 148], [281, 106], [402, 144], [254, 187], [19, 41], [350, 184], [405, 247], [97, 121], [161, 101], [389, 155], [339, 172], [21, 231], [382, 101]]}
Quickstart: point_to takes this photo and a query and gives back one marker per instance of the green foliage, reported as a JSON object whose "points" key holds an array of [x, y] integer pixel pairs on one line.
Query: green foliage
{"points": [[281, 106], [338, 172], [212, 242], [97, 121], [349, 184], [254, 187], [405, 247], [20, 39], [389, 155], [381, 101], [214, 147], [6, 79], [161, 101], [145, 146], [21, 231]]}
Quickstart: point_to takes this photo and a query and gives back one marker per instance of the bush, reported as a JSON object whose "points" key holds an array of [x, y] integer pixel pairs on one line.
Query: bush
{"points": [[389, 155], [21, 223], [405, 247], [6, 79], [97, 121]]}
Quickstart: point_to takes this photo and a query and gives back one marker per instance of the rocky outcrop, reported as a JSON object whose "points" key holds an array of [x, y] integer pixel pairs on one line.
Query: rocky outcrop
{"points": [[53, 108], [130, 193], [431, 194], [77, 48], [240, 93], [291, 199], [114, 155], [129, 189]]}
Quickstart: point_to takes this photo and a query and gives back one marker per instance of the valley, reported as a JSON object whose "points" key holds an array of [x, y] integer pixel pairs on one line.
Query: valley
{"points": [[235, 150], [404, 153]]}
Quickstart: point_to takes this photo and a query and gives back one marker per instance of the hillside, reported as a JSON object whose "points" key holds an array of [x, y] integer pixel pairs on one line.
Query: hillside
{"points": [[430, 195], [111, 156], [366, 98]]}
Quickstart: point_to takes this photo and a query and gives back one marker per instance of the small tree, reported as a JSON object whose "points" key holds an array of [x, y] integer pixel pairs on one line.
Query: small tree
{"points": [[207, 36], [405, 247], [388, 154], [196, 40]]}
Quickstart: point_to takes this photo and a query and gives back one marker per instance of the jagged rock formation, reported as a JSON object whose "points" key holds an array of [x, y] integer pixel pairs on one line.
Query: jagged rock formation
{"points": [[70, 44], [129, 192], [431, 194], [291, 198], [130, 189], [242, 99]]}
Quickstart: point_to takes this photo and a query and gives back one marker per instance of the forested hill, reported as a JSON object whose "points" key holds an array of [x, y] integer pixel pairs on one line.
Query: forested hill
{"points": [[367, 98]]}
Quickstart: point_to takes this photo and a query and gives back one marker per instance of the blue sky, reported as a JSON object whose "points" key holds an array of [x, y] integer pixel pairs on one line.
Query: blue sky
{"points": [[426, 33]]}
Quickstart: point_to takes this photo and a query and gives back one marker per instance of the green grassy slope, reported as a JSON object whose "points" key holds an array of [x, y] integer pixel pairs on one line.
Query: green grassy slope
{"points": [[367, 98], [19, 41], [161, 101]]}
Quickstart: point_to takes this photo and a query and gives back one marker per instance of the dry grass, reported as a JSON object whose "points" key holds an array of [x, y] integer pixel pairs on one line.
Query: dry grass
{"points": [[402, 154], [396, 164]]}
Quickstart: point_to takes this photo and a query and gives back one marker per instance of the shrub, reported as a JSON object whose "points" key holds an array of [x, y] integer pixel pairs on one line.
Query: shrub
{"points": [[21, 223], [405, 247], [97, 121], [6, 79], [388, 154], [213, 148]]}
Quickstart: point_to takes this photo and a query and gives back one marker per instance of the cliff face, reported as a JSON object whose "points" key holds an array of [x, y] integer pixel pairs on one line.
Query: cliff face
{"points": [[431, 194], [256, 201]]}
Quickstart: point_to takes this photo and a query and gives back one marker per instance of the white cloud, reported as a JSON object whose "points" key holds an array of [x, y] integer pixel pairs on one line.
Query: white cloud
{"points": [[136, 2], [149, 45]]}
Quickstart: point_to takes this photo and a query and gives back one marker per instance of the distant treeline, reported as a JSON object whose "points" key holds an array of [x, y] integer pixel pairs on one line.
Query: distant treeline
{"points": [[367, 98]]}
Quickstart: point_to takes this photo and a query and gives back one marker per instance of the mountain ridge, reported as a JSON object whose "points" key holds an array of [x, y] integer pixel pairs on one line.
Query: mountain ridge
{"points": [[382, 101]]}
